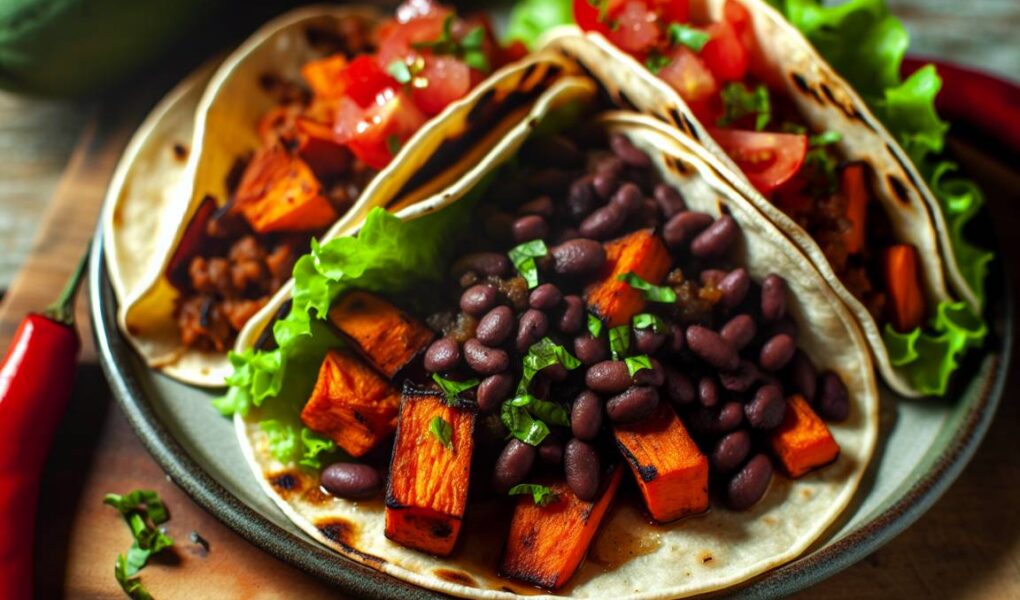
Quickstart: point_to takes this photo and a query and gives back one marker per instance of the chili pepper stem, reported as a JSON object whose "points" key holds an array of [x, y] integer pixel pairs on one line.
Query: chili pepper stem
{"points": [[62, 310]]}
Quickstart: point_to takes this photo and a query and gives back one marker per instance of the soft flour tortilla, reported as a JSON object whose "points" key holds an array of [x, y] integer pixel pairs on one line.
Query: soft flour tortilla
{"points": [[631, 558], [224, 128], [827, 102]]}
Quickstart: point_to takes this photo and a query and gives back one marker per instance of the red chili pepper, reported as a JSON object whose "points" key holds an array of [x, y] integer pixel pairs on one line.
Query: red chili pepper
{"points": [[36, 378]]}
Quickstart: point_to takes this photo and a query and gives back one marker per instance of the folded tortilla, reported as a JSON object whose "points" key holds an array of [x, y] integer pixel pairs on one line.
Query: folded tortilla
{"points": [[827, 103], [713, 551], [147, 224]]}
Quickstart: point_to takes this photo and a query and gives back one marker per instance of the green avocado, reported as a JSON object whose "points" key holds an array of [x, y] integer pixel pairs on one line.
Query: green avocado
{"points": [[75, 47]]}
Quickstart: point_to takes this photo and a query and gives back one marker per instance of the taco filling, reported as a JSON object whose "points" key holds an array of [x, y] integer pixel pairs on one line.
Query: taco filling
{"points": [[374, 87], [711, 65], [598, 327]]}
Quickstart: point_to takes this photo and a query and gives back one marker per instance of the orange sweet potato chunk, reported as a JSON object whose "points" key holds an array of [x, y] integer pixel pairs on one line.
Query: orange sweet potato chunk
{"points": [[670, 470], [547, 543], [642, 253], [351, 404], [802, 442], [387, 336], [324, 75], [279, 192], [426, 494]]}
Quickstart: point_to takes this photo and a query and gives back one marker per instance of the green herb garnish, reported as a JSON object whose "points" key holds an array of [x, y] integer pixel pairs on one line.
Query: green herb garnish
{"points": [[540, 494], [544, 353], [652, 293], [441, 430], [393, 144], [649, 321], [522, 425], [468, 49], [523, 257], [619, 341], [594, 325], [452, 389], [638, 363], [685, 35], [738, 102], [825, 138], [551, 413], [656, 62], [400, 71], [143, 511]]}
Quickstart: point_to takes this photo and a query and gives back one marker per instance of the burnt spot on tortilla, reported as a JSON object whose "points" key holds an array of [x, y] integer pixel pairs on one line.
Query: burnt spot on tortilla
{"points": [[899, 188], [625, 102], [676, 118], [180, 151], [903, 166], [286, 481], [456, 577], [690, 129], [344, 535], [706, 557], [801, 83], [646, 472], [676, 165]]}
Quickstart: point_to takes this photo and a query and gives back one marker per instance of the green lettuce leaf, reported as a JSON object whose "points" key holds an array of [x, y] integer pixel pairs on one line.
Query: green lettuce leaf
{"points": [[529, 19], [866, 44]]}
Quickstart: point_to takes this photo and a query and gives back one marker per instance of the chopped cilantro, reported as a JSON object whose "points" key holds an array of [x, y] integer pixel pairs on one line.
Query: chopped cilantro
{"points": [[685, 35], [470, 48], [452, 389], [739, 102], [594, 325], [522, 425], [648, 320], [143, 511], [619, 341], [637, 363], [653, 293], [400, 71], [824, 139], [523, 257], [540, 494], [551, 413], [393, 144], [542, 354], [441, 430], [656, 62]]}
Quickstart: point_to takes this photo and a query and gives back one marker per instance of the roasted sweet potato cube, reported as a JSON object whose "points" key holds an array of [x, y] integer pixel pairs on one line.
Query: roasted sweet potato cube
{"points": [[324, 75], [351, 404], [547, 543], [802, 442], [279, 192], [385, 335], [670, 470], [642, 253], [428, 483]]}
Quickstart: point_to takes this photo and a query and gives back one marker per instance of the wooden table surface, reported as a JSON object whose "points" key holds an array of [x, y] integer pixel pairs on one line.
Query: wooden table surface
{"points": [[966, 546]]}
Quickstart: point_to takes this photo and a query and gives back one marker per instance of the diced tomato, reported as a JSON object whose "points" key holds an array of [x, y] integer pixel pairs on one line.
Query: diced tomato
{"points": [[688, 75], [445, 80], [724, 54], [768, 159], [415, 9], [397, 40], [737, 15], [635, 28], [587, 16], [370, 132], [363, 80]]}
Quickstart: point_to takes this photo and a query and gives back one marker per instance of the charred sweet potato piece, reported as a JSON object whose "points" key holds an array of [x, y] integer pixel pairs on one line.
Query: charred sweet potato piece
{"points": [[351, 404], [547, 543], [642, 253], [670, 470], [802, 442], [903, 284], [855, 190], [279, 192], [426, 493], [324, 76], [387, 336]]}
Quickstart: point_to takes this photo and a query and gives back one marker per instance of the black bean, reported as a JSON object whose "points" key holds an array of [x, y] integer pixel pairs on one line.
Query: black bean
{"points": [[550, 451], [578, 257], [531, 327], [628, 152], [567, 234], [750, 483], [734, 287], [513, 465], [803, 375], [682, 227], [833, 402], [609, 165], [731, 415], [739, 331], [679, 389], [493, 390], [351, 480], [773, 297], [495, 326], [711, 277], [603, 223], [646, 341], [730, 451], [499, 227], [712, 348], [484, 360], [555, 372], [716, 239], [605, 184], [742, 379], [676, 337], [544, 297], [702, 421], [590, 350], [571, 319], [783, 325], [581, 463], [482, 263], [478, 299], [530, 227], [654, 377], [767, 408], [708, 392], [608, 377], [669, 200], [581, 199], [647, 215], [632, 405], [586, 416], [442, 355], [556, 150], [776, 352], [549, 180], [628, 198], [541, 206]]}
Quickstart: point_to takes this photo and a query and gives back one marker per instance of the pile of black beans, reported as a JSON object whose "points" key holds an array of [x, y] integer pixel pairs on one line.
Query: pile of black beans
{"points": [[724, 354]]}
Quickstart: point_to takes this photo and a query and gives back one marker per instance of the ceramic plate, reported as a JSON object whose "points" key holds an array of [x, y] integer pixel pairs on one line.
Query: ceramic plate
{"points": [[924, 444]]}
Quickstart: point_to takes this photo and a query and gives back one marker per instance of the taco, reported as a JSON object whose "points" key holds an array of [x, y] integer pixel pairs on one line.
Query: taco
{"points": [[503, 365], [318, 117], [806, 150]]}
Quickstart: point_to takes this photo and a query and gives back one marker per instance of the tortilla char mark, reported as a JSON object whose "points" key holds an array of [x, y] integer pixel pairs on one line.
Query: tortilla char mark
{"points": [[825, 95], [459, 577], [287, 483], [344, 534]]}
